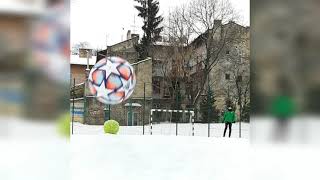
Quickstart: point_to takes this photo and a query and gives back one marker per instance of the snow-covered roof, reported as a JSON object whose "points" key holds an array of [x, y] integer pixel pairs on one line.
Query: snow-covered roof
{"points": [[75, 59], [133, 104], [159, 43]]}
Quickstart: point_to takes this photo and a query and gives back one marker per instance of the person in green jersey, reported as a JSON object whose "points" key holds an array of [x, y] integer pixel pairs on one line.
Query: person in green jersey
{"points": [[229, 117]]}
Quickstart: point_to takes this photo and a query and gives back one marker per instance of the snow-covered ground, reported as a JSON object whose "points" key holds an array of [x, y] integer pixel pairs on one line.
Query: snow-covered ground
{"points": [[216, 130], [299, 130], [32, 150], [134, 157]]}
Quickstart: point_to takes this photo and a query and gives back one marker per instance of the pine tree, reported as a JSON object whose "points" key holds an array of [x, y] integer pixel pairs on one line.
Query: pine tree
{"points": [[148, 10], [228, 103], [246, 113], [208, 109]]}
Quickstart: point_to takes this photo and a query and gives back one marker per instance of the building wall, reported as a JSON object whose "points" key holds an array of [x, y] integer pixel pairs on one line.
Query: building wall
{"points": [[125, 49], [94, 111], [120, 112], [78, 72], [233, 58]]}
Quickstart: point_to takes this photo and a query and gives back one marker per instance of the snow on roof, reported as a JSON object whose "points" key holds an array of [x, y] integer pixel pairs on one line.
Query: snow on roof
{"points": [[75, 59], [133, 104], [160, 43]]}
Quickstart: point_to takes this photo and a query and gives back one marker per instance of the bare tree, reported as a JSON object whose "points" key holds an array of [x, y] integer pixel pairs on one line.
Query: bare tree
{"points": [[201, 30], [173, 66], [75, 48], [199, 33], [207, 19]]}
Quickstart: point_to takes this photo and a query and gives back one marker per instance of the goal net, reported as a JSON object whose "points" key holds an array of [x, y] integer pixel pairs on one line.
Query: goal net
{"points": [[171, 122]]}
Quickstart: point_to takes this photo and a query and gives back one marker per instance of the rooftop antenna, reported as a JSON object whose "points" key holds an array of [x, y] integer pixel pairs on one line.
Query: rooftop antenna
{"points": [[122, 34], [107, 41], [134, 24]]}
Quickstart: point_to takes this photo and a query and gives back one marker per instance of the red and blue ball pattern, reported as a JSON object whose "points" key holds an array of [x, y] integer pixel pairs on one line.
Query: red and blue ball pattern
{"points": [[112, 80]]}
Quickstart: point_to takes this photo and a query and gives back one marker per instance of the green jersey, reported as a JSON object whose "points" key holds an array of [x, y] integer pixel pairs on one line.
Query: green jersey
{"points": [[229, 117]]}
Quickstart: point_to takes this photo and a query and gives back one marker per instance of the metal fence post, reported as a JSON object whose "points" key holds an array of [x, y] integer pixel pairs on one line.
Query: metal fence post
{"points": [[177, 126], [192, 119], [109, 111], [144, 106], [151, 122], [73, 94], [240, 128]]}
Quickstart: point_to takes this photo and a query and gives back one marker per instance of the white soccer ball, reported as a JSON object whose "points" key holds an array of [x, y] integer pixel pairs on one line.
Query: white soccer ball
{"points": [[112, 80]]}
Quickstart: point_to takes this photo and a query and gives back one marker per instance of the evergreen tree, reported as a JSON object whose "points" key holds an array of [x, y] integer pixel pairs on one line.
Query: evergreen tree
{"points": [[207, 108], [148, 10], [246, 113], [228, 103]]}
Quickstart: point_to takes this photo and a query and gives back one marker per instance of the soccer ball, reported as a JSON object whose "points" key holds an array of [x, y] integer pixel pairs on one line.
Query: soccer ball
{"points": [[112, 80]]}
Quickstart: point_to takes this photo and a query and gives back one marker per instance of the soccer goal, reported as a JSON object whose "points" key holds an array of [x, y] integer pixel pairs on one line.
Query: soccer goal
{"points": [[171, 122]]}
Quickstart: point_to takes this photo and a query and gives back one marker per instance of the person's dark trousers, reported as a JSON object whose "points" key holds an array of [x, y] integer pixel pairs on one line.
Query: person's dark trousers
{"points": [[281, 130], [225, 129]]}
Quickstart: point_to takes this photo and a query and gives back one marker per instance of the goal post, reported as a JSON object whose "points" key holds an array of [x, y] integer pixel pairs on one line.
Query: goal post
{"points": [[191, 118]]}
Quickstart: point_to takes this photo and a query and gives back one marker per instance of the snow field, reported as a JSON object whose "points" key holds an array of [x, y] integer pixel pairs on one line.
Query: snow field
{"points": [[184, 129], [158, 158]]}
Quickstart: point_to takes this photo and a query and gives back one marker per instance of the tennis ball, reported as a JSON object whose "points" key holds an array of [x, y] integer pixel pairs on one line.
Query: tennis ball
{"points": [[111, 127], [64, 125]]}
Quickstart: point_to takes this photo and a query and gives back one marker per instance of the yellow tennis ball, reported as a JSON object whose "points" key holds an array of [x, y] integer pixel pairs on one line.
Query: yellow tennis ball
{"points": [[111, 127]]}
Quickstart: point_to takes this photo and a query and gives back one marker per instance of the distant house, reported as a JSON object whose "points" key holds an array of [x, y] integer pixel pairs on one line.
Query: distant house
{"points": [[79, 64]]}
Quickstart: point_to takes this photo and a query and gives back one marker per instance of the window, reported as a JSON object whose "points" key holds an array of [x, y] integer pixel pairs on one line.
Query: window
{"points": [[166, 93], [239, 78], [227, 76], [156, 86]]}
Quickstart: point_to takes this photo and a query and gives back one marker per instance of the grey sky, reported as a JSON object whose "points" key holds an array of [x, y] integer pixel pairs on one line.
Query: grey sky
{"points": [[101, 22]]}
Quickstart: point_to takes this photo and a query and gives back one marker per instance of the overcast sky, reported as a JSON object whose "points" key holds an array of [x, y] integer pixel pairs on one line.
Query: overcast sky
{"points": [[101, 22]]}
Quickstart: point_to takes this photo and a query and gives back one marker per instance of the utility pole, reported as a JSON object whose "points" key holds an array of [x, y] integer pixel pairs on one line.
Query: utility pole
{"points": [[134, 24], [122, 34], [73, 94], [208, 104], [130, 112], [85, 88], [106, 41]]}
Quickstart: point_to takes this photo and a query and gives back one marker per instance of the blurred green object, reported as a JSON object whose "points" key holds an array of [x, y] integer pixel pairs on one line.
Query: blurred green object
{"points": [[64, 125], [283, 107], [111, 127]]}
